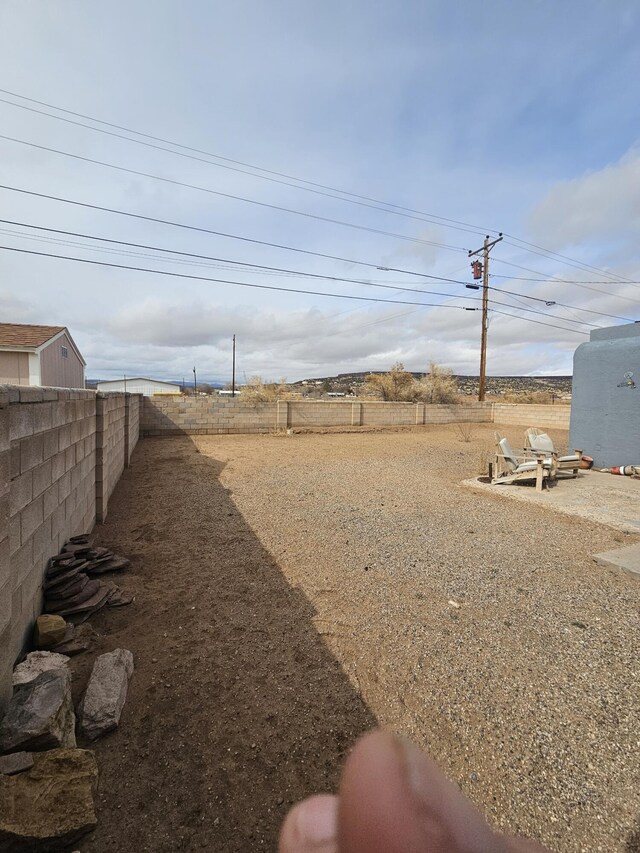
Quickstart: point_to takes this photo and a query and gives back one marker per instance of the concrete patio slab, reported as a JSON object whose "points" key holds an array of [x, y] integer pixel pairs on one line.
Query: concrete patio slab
{"points": [[602, 498], [626, 559]]}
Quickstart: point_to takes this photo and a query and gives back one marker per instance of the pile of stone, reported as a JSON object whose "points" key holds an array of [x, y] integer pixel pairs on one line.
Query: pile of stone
{"points": [[71, 588], [46, 782]]}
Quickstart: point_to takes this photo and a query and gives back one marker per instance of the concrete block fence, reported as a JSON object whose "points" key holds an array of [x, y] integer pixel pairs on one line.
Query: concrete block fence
{"points": [[530, 414], [61, 454], [215, 416]]}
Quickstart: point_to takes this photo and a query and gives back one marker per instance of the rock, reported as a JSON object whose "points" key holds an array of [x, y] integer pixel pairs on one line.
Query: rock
{"points": [[35, 664], [48, 631], [16, 762], [106, 693], [64, 602], [51, 806], [86, 607], [71, 648], [40, 714], [62, 580]]}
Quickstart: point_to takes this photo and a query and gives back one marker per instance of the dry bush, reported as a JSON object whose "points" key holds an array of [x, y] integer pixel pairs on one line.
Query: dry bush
{"points": [[465, 431], [438, 385], [258, 391], [398, 385]]}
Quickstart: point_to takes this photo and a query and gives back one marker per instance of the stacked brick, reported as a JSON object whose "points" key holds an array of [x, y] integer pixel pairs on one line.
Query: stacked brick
{"points": [[212, 416], [111, 447], [50, 476], [61, 453], [549, 417], [205, 416]]}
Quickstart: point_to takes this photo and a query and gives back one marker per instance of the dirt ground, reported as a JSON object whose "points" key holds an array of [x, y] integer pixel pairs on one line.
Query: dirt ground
{"points": [[294, 591]]}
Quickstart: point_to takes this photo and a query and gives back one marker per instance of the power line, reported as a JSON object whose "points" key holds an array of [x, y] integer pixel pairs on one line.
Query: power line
{"points": [[429, 217], [219, 193], [559, 304], [555, 255], [354, 198], [224, 234], [277, 269], [270, 286], [219, 260], [552, 279], [283, 247]]}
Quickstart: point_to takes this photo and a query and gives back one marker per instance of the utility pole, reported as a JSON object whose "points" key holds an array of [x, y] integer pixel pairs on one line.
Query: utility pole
{"points": [[486, 247], [233, 375], [195, 383]]}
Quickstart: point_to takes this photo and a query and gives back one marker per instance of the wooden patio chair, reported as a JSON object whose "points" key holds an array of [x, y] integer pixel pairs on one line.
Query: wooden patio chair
{"points": [[539, 442], [510, 468]]}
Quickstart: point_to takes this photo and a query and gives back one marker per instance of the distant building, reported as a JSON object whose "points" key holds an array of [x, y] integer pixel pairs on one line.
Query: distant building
{"points": [[140, 385], [39, 355]]}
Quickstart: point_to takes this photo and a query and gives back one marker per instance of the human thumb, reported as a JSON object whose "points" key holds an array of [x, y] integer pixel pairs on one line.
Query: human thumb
{"points": [[394, 799]]}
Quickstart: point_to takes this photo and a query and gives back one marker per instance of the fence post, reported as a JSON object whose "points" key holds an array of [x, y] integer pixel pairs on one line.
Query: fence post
{"points": [[282, 414], [356, 414]]}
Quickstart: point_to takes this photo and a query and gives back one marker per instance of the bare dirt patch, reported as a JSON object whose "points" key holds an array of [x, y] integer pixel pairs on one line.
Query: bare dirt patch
{"points": [[293, 591]]}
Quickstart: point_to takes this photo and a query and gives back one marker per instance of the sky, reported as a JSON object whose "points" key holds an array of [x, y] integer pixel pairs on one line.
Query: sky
{"points": [[372, 142]]}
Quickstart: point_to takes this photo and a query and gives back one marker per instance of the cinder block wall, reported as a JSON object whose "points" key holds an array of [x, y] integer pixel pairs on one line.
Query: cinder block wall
{"points": [[549, 417], [134, 405], [212, 416], [50, 465], [112, 439]]}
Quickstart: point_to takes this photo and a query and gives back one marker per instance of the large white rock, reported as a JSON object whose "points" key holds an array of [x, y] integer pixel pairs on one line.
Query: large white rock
{"points": [[35, 664], [40, 714], [106, 693]]}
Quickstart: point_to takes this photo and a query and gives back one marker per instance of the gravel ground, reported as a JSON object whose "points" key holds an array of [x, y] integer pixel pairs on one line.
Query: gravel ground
{"points": [[292, 591], [527, 694]]}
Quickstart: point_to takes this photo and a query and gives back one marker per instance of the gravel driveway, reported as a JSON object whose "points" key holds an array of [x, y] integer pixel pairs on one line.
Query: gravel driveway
{"points": [[478, 627]]}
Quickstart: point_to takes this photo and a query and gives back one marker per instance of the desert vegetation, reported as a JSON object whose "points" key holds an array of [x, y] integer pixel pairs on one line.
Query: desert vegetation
{"points": [[399, 385], [258, 391]]}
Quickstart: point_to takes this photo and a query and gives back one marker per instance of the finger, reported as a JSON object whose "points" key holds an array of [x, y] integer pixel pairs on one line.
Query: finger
{"points": [[311, 826], [393, 799]]}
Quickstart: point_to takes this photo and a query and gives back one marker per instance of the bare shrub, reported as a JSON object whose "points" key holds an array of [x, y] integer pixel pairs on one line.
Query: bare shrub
{"points": [[438, 385], [258, 391], [397, 385], [465, 431]]}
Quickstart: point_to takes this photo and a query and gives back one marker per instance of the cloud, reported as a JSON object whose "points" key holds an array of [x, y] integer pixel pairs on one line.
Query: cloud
{"points": [[601, 205], [380, 100]]}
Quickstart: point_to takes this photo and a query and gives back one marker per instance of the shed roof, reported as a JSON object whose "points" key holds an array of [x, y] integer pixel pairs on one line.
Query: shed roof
{"points": [[23, 335], [139, 379]]}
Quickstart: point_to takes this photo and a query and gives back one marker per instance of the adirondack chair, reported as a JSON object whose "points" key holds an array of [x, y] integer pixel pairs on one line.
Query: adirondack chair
{"points": [[510, 468], [540, 442]]}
